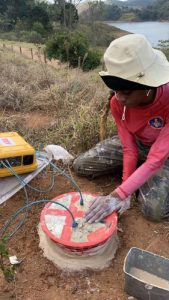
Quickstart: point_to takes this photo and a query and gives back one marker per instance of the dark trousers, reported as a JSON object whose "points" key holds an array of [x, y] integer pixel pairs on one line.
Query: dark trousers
{"points": [[107, 157]]}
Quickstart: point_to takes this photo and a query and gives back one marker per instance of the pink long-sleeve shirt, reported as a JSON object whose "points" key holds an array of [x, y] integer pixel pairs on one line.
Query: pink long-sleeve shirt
{"points": [[150, 125]]}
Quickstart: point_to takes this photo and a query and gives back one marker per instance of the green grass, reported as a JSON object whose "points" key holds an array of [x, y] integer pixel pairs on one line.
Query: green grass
{"points": [[128, 17]]}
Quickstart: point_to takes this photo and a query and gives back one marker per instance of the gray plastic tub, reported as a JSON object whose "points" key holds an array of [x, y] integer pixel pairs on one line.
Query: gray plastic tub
{"points": [[144, 288]]}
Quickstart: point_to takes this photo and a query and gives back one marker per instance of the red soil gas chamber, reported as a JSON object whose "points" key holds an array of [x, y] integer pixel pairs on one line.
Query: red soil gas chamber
{"points": [[56, 222]]}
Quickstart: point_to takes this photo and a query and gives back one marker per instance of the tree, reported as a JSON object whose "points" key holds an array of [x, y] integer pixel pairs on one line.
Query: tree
{"points": [[157, 11], [112, 12], [99, 11], [54, 12], [18, 9], [164, 47], [68, 15], [64, 12], [3, 6], [39, 14], [5, 23]]}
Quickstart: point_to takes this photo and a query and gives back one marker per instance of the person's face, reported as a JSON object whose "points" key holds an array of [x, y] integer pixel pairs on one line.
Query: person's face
{"points": [[135, 98]]}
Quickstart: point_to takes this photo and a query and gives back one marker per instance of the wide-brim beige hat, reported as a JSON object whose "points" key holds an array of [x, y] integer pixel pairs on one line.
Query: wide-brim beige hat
{"points": [[132, 58]]}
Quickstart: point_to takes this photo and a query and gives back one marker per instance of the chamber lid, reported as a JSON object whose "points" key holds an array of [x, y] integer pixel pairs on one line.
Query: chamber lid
{"points": [[56, 222]]}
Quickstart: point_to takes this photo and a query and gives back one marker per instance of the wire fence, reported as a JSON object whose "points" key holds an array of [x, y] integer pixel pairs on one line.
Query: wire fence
{"points": [[35, 53]]}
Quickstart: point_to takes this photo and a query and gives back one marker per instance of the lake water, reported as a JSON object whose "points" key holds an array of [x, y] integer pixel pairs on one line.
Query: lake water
{"points": [[154, 31]]}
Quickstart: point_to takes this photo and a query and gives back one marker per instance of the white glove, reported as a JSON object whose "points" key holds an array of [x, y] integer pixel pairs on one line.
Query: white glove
{"points": [[103, 206], [125, 204]]}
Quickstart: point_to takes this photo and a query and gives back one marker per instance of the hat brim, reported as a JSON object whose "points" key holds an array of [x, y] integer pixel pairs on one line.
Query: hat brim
{"points": [[119, 84], [156, 75]]}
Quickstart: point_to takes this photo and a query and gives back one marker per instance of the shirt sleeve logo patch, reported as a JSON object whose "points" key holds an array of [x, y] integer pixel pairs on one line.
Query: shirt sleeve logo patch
{"points": [[156, 122]]}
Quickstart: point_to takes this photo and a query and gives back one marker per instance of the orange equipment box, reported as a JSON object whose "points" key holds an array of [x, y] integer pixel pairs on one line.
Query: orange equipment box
{"points": [[20, 155]]}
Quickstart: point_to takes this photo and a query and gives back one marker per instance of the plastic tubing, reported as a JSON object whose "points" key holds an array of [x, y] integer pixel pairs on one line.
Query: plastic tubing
{"points": [[71, 180], [26, 202], [15, 215], [22, 180], [25, 207]]}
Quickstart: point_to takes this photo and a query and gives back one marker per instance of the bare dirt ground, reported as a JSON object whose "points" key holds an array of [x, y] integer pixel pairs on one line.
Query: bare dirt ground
{"points": [[37, 278], [35, 120]]}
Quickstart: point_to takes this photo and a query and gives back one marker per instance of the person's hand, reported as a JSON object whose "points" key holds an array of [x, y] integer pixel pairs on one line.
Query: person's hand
{"points": [[104, 206], [125, 204]]}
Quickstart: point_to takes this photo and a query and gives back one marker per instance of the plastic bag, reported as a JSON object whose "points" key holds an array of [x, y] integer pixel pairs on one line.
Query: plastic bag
{"points": [[57, 152], [154, 195], [104, 158]]}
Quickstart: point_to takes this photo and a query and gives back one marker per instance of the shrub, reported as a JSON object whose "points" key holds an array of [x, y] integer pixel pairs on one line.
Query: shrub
{"points": [[67, 46], [5, 25], [78, 48], [31, 37], [163, 45], [11, 36], [22, 25], [39, 28], [73, 47], [92, 60], [57, 47]]}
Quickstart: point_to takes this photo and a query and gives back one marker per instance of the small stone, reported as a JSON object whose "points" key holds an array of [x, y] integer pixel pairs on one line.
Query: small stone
{"points": [[51, 280], [74, 290], [13, 260], [119, 229]]}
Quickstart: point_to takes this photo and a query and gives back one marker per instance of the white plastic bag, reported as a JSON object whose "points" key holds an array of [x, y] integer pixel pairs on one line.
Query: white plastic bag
{"points": [[57, 152]]}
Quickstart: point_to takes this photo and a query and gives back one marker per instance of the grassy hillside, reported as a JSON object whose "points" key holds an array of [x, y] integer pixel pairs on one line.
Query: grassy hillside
{"points": [[131, 10], [150, 10], [139, 3], [100, 34], [67, 103], [132, 3]]}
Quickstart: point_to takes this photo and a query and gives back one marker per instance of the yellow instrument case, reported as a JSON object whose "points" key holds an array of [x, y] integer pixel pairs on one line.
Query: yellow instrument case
{"points": [[20, 155]]}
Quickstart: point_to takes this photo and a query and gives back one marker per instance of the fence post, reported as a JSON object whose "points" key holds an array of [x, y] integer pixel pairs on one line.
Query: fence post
{"points": [[31, 53], [79, 62], [4, 46], [45, 60], [20, 49], [12, 48]]}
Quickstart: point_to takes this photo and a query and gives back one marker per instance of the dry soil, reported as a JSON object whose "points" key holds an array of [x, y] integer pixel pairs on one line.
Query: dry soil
{"points": [[37, 278]]}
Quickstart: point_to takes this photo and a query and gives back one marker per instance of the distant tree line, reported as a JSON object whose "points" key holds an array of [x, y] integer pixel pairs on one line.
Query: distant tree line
{"points": [[36, 15], [99, 10], [158, 11]]}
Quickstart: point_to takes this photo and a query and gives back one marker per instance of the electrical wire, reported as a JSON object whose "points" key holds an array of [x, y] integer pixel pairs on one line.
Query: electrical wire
{"points": [[62, 172], [15, 215], [28, 205], [51, 185], [26, 199], [71, 180]]}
